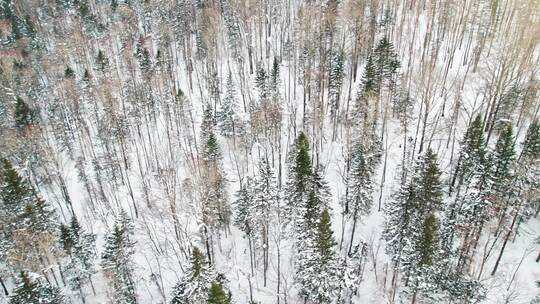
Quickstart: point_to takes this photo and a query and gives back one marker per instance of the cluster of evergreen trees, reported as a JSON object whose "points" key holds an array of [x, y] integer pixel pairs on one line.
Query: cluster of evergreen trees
{"points": [[302, 209], [434, 259], [28, 227], [31, 234]]}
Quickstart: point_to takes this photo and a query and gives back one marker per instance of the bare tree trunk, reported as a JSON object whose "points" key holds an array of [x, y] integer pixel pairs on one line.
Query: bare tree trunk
{"points": [[504, 245]]}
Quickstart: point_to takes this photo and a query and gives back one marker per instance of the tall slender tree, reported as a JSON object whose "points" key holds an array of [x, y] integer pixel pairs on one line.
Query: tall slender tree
{"points": [[359, 198], [298, 185]]}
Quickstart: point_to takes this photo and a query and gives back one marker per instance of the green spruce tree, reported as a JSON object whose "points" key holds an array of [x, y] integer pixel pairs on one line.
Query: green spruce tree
{"points": [[14, 191], [386, 60], [274, 78], [503, 162], [427, 243], [68, 72], [216, 294], [325, 237], [227, 118], [318, 270], [531, 145], [261, 82], [299, 180], [472, 157], [370, 79], [116, 260], [429, 182], [23, 114]]}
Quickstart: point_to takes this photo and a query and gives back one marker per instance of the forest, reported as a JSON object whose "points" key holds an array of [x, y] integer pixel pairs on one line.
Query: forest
{"points": [[269, 151]]}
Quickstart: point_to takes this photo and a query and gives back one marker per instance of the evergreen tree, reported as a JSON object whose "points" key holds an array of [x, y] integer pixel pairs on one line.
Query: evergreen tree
{"points": [[335, 80], [21, 208], [403, 107], [232, 25], [78, 244], [359, 184], [216, 210], [364, 112], [473, 170], [457, 287], [23, 114], [386, 59], [325, 238], [414, 203], [370, 79], [318, 271], [274, 78], [427, 244], [211, 152], [359, 196], [18, 29], [531, 145], [435, 276], [298, 186], [263, 210], [35, 291], [399, 221], [193, 287], [418, 254], [66, 238], [83, 8], [503, 159], [14, 191], [353, 269], [143, 55], [86, 76], [318, 199], [504, 154], [242, 207], [68, 72], [101, 60], [528, 171], [536, 299], [429, 182], [264, 202], [116, 260], [25, 221], [216, 294], [472, 157], [228, 120], [473, 205], [207, 124], [5, 9], [261, 82], [38, 217]]}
